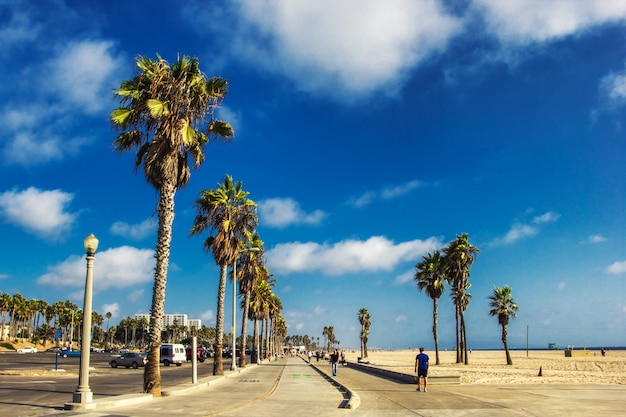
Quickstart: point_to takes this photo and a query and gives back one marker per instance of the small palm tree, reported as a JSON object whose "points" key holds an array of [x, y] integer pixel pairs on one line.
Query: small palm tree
{"points": [[503, 306], [231, 218], [167, 114], [430, 278], [364, 319]]}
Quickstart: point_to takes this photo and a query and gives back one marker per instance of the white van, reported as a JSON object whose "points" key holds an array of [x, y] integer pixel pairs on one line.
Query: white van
{"points": [[173, 353]]}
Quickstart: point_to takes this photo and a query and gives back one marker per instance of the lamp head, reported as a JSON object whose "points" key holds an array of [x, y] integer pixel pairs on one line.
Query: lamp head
{"points": [[91, 244]]}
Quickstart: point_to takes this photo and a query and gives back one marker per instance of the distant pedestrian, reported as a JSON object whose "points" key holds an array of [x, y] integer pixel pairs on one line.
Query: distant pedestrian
{"points": [[310, 356], [421, 367], [334, 358], [317, 355], [343, 358]]}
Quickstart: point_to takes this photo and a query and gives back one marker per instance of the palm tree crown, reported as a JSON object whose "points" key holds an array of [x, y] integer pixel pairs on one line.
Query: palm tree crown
{"points": [[167, 115]]}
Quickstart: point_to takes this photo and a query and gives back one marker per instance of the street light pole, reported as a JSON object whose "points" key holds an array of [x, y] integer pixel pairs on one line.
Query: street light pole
{"points": [[233, 365], [83, 394]]}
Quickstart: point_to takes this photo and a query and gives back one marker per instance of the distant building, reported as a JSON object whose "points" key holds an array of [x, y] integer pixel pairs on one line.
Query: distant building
{"points": [[179, 319]]}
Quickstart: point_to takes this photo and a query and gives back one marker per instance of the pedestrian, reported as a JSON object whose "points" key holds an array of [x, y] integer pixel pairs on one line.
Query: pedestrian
{"points": [[310, 356], [343, 358], [334, 358], [421, 367], [317, 355]]}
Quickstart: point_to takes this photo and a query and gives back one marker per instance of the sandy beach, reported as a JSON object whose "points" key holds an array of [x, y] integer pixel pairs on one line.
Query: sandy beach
{"points": [[489, 367]]}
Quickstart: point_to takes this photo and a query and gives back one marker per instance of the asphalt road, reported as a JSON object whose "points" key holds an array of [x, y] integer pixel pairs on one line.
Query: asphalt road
{"points": [[29, 383]]}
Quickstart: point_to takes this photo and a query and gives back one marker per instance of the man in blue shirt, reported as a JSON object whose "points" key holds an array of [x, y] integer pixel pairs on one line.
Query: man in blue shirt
{"points": [[421, 367]]}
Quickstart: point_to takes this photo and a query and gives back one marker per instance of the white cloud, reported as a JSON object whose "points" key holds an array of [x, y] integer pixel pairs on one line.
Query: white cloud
{"points": [[404, 277], [400, 318], [561, 286], [43, 213], [595, 239], [386, 193], [137, 231], [613, 89], [616, 268], [374, 254], [82, 73], [18, 30], [521, 22], [335, 47], [520, 230], [113, 308], [3, 276], [548, 217], [207, 316], [283, 212], [318, 310], [121, 267], [135, 295]]}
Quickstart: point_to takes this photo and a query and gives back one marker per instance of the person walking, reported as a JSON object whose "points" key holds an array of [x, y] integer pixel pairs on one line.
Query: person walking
{"points": [[421, 367], [334, 358]]}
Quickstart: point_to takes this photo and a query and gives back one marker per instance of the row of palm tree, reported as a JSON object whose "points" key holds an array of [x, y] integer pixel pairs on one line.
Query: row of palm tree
{"points": [[37, 320], [452, 267], [167, 114]]}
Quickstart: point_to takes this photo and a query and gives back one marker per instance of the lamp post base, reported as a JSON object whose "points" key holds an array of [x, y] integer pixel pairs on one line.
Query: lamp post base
{"points": [[81, 400]]}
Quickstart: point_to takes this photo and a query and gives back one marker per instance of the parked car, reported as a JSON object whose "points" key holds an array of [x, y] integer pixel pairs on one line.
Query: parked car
{"points": [[201, 354], [27, 349], [54, 350], [69, 353], [130, 360], [173, 353]]}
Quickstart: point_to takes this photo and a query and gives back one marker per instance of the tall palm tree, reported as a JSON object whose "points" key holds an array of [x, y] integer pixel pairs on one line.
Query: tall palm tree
{"points": [[5, 308], [231, 218], [167, 114], [459, 257], [259, 297], [249, 271], [503, 306], [364, 319], [430, 278]]}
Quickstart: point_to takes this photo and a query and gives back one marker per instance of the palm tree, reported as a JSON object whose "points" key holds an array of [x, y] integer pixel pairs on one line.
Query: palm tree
{"points": [[459, 256], [228, 214], [250, 270], [430, 278], [5, 308], [167, 114], [364, 319], [503, 306], [259, 297]]}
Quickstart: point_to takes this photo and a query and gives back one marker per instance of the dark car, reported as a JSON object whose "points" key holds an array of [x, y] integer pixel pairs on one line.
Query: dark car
{"points": [[130, 360], [69, 353]]}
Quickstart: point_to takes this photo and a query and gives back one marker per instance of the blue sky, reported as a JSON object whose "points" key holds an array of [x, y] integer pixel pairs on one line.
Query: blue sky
{"points": [[367, 132]]}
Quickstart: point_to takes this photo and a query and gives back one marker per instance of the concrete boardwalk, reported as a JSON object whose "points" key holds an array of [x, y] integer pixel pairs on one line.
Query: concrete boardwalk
{"points": [[290, 386]]}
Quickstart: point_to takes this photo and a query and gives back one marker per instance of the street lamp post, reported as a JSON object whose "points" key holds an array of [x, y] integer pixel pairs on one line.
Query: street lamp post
{"points": [[83, 394], [233, 365]]}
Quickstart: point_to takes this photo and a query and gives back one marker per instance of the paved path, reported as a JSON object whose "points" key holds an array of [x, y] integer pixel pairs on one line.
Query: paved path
{"points": [[292, 387]]}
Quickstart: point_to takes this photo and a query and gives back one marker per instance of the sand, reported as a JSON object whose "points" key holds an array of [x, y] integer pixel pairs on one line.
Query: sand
{"points": [[489, 367]]}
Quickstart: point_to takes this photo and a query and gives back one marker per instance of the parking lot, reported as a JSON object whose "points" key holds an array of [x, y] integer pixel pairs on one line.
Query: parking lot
{"points": [[40, 381]]}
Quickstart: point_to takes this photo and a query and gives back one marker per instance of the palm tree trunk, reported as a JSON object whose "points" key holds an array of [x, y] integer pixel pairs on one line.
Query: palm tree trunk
{"points": [[509, 361], [435, 331], [255, 336], [218, 367], [165, 210], [456, 320], [244, 330], [464, 339]]}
